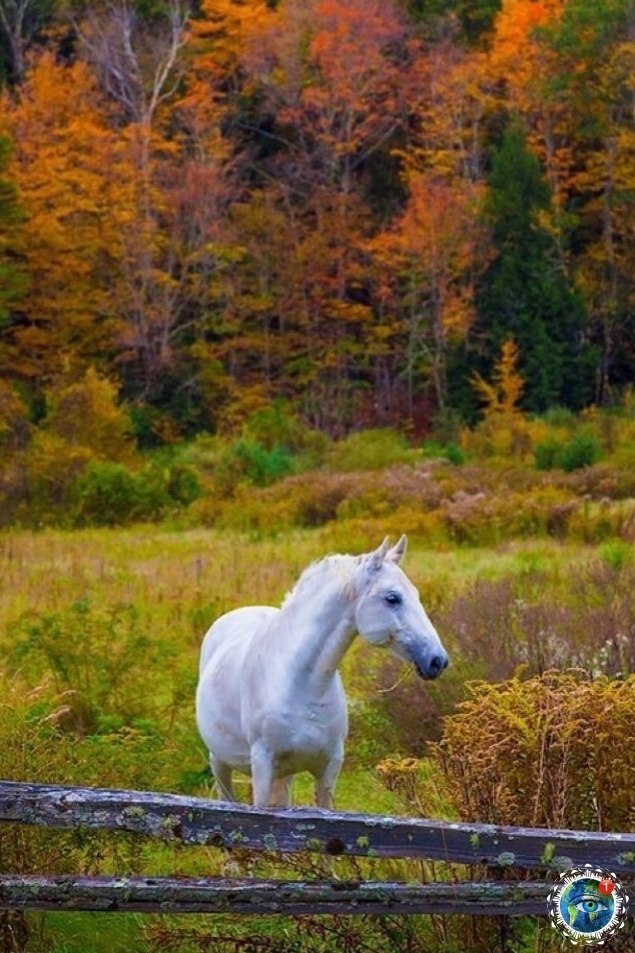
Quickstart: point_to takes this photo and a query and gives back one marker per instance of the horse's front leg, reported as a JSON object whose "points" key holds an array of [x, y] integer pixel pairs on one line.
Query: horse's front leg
{"points": [[325, 782], [262, 778]]}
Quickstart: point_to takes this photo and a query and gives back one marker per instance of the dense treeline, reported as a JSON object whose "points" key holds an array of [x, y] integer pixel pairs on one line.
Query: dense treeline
{"points": [[351, 204]]}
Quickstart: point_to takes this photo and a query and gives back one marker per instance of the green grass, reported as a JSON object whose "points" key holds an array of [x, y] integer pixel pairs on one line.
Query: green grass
{"points": [[87, 933], [195, 574]]}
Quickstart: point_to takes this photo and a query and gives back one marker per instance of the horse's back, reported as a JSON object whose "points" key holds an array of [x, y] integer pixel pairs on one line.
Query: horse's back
{"points": [[235, 627]]}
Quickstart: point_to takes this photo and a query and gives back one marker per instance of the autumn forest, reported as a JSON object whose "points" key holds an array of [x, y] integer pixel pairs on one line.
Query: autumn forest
{"points": [[347, 204]]}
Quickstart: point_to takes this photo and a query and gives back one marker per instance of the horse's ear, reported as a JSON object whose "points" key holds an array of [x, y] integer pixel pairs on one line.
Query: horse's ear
{"points": [[374, 560], [397, 553]]}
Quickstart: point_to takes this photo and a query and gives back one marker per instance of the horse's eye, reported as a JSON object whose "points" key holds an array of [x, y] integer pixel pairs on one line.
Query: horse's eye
{"points": [[393, 599]]}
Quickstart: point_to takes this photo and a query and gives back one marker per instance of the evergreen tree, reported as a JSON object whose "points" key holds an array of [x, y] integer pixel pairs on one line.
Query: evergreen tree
{"points": [[12, 277], [474, 17], [524, 293]]}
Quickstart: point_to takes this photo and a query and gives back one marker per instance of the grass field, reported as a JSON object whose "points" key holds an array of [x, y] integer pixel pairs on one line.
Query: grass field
{"points": [[100, 631]]}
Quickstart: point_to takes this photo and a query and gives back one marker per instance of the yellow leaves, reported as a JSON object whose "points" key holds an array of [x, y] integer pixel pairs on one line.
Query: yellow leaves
{"points": [[217, 43], [221, 38], [515, 51], [458, 311], [454, 95], [348, 311], [537, 756], [431, 250], [523, 64], [85, 413], [502, 395], [62, 148], [229, 24]]}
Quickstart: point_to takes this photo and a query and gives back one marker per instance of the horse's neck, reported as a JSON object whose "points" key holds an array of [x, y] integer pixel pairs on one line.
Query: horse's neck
{"points": [[321, 629]]}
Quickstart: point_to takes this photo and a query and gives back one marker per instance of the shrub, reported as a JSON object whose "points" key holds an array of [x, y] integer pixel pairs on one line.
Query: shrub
{"points": [[560, 417], [249, 461], [32, 748], [310, 499], [455, 455], [85, 413], [369, 450], [536, 622], [51, 469], [278, 426], [483, 518], [582, 450], [416, 711], [553, 751], [617, 554], [451, 452], [109, 494], [101, 662], [548, 454], [500, 436]]}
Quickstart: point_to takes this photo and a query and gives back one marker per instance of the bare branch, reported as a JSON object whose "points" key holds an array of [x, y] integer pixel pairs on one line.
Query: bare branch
{"points": [[138, 68]]}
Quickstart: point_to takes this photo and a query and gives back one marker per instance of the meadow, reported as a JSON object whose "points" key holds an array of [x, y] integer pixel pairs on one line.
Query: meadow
{"points": [[528, 574]]}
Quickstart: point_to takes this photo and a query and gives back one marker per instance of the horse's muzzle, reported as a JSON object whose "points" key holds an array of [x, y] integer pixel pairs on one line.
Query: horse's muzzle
{"points": [[433, 666]]}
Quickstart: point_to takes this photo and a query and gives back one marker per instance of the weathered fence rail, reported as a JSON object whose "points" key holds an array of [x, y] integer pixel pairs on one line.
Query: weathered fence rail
{"points": [[188, 820]]}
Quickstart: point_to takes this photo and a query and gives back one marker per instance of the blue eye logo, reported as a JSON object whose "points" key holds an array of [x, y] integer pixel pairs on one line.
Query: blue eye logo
{"points": [[587, 905]]}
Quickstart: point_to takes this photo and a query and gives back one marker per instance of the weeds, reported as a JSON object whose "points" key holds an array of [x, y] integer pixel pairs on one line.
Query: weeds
{"points": [[539, 756]]}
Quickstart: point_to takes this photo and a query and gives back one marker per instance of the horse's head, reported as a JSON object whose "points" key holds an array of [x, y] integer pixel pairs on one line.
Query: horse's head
{"points": [[388, 611]]}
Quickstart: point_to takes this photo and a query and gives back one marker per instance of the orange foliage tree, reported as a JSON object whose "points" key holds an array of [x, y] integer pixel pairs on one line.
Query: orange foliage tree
{"points": [[62, 148], [426, 264], [329, 83]]}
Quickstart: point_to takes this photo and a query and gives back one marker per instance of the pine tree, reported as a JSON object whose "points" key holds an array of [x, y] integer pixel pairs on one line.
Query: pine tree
{"points": [[524, 293], [12, 276]]}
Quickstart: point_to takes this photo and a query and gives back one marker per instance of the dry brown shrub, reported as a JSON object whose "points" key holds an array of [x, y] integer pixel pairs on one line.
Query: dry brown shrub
{"points": [[412, 486], [600, 482], [532, 621], [483, 517], [499, 629], [310, 499], [553, 751]]}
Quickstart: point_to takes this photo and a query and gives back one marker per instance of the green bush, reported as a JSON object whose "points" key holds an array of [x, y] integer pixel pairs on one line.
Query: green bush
{"points": [[452, 452], [183, 485], [369, 450], [583, 450], [102, 662], [278, 426], [110, 494], [617, 553], [455, 454], [248, 461], [547, 454]]}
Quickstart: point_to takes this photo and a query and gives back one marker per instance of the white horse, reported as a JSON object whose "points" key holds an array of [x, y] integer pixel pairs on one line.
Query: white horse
{"points": [[270, 700]]}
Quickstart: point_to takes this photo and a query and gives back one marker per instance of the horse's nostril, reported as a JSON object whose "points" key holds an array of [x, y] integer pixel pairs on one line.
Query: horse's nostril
{"points": [[437, 664]]}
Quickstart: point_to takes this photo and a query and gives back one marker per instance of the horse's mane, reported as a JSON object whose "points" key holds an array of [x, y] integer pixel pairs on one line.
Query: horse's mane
{"points": [[338, 567]]}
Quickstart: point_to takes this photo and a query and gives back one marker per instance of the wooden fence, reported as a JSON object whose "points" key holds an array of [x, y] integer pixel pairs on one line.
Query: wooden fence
{"points": [[176, 818]]}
